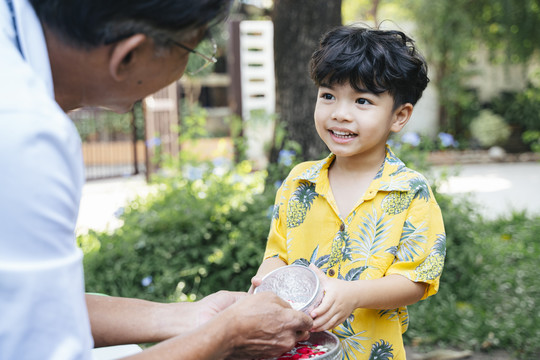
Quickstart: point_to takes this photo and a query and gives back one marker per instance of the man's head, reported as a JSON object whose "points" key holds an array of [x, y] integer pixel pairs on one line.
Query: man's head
{"points": [[92, 23], [377, 60], [113, 53]]}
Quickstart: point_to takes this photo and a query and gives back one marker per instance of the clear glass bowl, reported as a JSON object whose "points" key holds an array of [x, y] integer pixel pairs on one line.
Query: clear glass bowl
{"points": [[297, 284]]}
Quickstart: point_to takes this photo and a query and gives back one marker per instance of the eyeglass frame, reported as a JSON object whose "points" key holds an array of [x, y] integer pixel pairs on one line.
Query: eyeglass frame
{"points": [[209, 59]]}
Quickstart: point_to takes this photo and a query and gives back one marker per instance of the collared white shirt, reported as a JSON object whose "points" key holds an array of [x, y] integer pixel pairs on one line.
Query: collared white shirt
{"points": [[43, 314]]}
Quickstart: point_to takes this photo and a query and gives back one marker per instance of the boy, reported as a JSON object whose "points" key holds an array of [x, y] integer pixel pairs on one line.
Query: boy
{"points": [[370, 225]]}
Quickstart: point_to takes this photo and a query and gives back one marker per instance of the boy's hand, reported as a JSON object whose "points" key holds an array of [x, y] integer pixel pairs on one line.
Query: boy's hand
{"points": [[267, 266], [255, 281], [336, 305]]}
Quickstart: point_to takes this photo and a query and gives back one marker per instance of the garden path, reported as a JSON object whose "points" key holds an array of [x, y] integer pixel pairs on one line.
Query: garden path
{"points": [[496, 187]]}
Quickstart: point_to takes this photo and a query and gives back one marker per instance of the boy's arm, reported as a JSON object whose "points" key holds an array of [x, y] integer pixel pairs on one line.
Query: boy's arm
{"points": [[343, 297], [267, 266]]}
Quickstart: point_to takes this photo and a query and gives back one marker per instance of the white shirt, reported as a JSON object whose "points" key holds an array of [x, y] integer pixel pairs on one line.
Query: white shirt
{"points": [[43, 314]]}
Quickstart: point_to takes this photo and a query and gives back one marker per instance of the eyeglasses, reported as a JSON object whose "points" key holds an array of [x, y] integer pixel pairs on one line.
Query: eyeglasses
{"points": [[208, 60]]}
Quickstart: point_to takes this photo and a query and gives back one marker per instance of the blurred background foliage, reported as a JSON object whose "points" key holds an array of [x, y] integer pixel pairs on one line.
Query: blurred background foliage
{"points": [[204, 227], [455, 36]]}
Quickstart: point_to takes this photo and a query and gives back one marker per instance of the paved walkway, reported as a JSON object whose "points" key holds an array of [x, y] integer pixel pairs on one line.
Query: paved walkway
{"points": [[102, 200], [498, 188]]}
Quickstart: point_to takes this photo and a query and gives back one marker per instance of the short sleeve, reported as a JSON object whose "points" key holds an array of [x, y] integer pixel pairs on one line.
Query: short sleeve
{"points": [[422, 247]]}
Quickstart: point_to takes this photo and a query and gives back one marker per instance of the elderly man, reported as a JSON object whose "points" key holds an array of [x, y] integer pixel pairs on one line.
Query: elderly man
{"points": [[56, 56]]}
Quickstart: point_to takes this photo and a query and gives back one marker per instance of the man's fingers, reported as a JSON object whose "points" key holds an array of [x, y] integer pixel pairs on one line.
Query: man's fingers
{"points": [[235, 295], [301, 321], [302, 335], [270, 326]]}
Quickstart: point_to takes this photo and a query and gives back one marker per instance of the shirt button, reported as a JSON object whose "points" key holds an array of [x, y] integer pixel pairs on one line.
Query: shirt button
{"points": [[331, 272], [342, 227]]}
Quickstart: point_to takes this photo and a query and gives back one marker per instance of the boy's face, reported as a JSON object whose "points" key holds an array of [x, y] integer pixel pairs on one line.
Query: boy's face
{"points": [[357, 124]]}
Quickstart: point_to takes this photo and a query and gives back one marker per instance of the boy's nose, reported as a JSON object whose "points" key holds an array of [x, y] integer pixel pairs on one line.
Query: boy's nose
{"points": [[341, 113]]}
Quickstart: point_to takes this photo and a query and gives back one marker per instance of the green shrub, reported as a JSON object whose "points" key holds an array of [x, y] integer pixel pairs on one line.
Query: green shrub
{"points": [[532, 138], [519, 109], [490, 129], [489, 291], [198, 232]]}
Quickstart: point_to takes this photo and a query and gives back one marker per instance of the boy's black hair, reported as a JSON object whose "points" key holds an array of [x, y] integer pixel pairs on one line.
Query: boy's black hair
{"points": [[376, 60], [91, 23]]}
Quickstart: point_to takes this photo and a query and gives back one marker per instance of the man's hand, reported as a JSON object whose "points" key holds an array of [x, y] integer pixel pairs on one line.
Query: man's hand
{"points": [[213, 304], [263, 326]]}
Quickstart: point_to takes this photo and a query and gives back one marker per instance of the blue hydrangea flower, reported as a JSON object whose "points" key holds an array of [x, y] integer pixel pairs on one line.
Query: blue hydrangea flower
{"points": [[155, 141], [119, 212], [411, 138], [194, 172], [447, 140], [286, 157], [146, 281]]}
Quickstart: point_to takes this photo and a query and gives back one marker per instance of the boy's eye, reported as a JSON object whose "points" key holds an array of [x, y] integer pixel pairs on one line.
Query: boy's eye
{"points": [[327, 96], [363, 101]]}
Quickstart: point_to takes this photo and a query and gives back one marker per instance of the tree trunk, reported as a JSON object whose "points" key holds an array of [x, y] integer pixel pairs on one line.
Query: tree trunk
{"points": [[374, 11], [298, 27]]}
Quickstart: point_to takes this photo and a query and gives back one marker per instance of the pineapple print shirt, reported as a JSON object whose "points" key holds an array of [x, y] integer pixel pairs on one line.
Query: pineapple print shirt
{"points": [[395, 228]]}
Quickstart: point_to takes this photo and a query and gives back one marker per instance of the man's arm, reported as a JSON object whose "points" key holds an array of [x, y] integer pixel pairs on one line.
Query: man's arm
{"points": [[116, 320], [254, 326]]}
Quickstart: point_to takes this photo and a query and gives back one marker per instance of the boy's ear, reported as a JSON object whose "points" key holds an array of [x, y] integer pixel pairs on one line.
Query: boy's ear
{"points": [[123, 56], [401, 116]]}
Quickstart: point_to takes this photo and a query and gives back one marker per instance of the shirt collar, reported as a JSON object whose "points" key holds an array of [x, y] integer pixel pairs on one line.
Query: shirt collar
{"points": [[391, 176], [312, 174], [32, 41]]}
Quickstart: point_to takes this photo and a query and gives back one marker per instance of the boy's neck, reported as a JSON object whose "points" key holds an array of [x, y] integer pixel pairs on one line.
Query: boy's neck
{"points": [[350, 178], [359, 165]]}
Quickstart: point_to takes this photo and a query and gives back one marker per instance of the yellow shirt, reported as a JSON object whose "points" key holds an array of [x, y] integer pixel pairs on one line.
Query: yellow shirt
{"points": [[395, 228]]}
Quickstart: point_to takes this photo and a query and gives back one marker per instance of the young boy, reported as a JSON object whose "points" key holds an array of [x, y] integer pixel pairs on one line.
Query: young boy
{"points": [[370, 224]]}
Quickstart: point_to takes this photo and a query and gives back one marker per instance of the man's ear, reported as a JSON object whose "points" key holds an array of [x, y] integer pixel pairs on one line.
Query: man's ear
{"points": [[124, 55], [401, 117]]}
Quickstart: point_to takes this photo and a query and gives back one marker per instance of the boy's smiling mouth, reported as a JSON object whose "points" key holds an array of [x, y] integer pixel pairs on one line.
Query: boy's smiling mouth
{"points": [[342, 134]]}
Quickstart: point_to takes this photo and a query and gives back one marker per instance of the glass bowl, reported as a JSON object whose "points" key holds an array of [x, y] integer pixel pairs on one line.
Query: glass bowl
{"points": [[296, 284]]}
